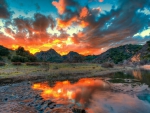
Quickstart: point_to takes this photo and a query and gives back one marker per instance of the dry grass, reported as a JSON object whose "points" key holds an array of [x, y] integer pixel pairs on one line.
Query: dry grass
{"points": [[52, 69], [53, 72]]}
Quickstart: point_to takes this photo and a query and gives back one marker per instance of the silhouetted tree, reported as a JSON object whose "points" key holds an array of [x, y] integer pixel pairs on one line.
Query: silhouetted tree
{"points": [[4, 51]]}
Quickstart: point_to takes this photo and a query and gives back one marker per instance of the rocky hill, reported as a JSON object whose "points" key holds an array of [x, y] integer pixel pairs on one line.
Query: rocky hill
{"points": [[51, 55], [118, 54], [143, 55], [73, 57]]}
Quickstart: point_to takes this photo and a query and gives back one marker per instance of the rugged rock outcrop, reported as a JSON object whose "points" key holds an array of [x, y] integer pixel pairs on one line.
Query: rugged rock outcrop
{"points": [[73, 57], [143, 55], [51, 55]]}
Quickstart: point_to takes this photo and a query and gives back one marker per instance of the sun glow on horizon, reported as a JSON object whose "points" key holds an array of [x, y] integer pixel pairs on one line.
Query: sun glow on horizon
{"points": [[58, 48]]}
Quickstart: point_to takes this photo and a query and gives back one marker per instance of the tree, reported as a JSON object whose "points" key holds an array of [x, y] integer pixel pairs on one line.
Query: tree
{"points": [[78, 58], [19, 59], [148, 42], [21, 51], [23, 56], [4, 51]]}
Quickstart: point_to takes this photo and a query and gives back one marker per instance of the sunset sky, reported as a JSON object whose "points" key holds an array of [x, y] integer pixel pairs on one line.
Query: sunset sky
{"points": [[83, 26]]}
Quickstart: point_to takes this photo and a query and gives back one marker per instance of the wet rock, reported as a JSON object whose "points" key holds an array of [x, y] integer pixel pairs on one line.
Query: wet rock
{"points": [[58, 105], [29, 104], [6, 99], [38, 97], [43, 107], [76, 110], [37, 106], [41, 102], [47, 110], [52, 106]]}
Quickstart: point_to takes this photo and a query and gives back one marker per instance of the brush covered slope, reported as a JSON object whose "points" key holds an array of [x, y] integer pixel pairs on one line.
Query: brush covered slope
{"points": [[118, 54], [49, 56], [4, 53], [73, 57], [18, 55], [143, 55]]}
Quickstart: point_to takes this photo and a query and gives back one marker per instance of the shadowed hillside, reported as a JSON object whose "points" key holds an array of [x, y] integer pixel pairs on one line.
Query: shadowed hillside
{"points": [[118, 54], [73, 57], [143, 55], [51, 55], [114, 55]]}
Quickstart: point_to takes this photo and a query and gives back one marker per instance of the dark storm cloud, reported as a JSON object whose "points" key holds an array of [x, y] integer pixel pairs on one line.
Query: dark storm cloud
{"points": [[110, 27], [125, 21], [39, 24], [4, 13], [22, 23], [42, 22], [30, 30]]}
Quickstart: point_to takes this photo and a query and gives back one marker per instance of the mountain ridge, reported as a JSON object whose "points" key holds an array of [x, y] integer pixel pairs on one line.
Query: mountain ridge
{"points": [[115, 55]]}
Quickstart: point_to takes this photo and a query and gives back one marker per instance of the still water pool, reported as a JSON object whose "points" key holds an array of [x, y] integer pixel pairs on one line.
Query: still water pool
{"points": [[121, 92]]}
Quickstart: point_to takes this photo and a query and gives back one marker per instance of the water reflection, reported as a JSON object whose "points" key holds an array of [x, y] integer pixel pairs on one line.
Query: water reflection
{"points": [[95, 95], [79, 92], [117, 103], [144, 96], [137, 75]]}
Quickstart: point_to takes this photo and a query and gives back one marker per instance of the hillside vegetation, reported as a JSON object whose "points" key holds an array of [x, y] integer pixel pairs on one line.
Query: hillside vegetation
{"points": [[118, 54], [19, 55], [23, 56], [4, 52], [49, 56], [143, 55]]}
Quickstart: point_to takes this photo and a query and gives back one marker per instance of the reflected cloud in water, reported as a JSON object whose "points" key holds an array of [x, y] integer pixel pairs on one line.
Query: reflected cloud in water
{"points": [[95, 96]]}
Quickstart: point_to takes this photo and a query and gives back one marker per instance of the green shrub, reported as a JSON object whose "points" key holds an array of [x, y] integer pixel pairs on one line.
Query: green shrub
{"points": [[16, 63], [107, 65], [19, 59], [32, 63], [2, 63], [23, 53], [4, 51], [9, 57], [148, 48], [1, 58], [148, 42], [55, 67]]}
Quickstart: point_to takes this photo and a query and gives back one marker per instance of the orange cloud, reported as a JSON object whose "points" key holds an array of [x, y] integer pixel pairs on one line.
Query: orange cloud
{"points": [[101, 0], [80, 34], [84, 12], [66, 90], [84, 24], [64, 24], [61, 45], [60, 6]]}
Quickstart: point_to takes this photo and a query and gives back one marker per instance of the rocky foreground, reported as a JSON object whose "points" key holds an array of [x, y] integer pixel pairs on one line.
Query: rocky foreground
{"points": [[21, 98]]}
